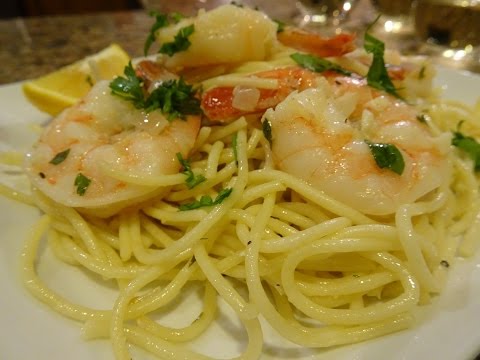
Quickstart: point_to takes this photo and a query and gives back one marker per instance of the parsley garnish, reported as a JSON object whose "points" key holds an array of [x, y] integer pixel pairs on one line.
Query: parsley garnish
{"points": [[129, 87], [60, 157], [377, 75], [176, 17], [89, 80], [387, 156], [267, 130], [82, 183], [234, 147], [317, 64], [174, 98], [469, 145], [180, 41], [280, 26], [161, 21], [192, 179], [422, 118], [206, 200], [421, 73]]}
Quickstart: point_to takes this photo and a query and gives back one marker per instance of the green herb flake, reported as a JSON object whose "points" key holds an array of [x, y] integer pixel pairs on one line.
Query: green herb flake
{"points": [[60, 157], [129, 87], [445, 263], [377, 75], [421, 73], [180, 41], [82, 183], [422, 118], [161, 21], [174, 98], [176, 17], [469, 145], [89, 80], [267, 130], [387, 156], [192, 179], [317, 64], [237, 4], [206, 200], [234, 147], [280, 26]]}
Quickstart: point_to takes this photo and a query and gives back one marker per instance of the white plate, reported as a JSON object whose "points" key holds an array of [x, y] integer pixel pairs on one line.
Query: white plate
{"points": [[29, 330]]}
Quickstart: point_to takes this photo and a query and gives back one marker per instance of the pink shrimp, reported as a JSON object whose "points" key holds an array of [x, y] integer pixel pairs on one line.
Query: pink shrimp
{"points": [[320, 135], [316, 44], [105, 131]]}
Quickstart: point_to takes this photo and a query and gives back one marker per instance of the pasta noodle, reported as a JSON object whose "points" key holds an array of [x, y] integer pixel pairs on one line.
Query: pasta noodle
{"points": [[321, 271]]}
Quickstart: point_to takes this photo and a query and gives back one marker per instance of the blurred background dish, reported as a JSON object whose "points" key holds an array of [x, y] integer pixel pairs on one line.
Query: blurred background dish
{"points": [[397, 17], [449, 32]]}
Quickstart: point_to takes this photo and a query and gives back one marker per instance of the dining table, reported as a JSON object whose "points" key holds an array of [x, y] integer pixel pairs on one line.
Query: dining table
{"points": [[34, 46], [37, 45]]}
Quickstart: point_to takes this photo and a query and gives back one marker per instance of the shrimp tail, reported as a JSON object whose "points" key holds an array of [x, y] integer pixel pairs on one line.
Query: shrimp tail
{"points": [[316, 44]]}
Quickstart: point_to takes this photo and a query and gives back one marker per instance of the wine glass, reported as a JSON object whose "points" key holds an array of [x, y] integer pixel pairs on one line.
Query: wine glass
{"points": [[324, 13]]}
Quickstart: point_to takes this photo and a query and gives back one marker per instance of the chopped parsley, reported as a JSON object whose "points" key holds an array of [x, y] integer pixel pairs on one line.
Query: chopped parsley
{"points": [[445, 263], [206, 200], [180, 41], [422, 118], [129, 87], [60, 157], [161, 21], [421, 73], [82, 183], [280, 26], [176, 17], [377, 75], [267, 130], [174, 98], [192, 179], [317, 64], [469, 145], [234, 147], [89, 80], [387, 156]]}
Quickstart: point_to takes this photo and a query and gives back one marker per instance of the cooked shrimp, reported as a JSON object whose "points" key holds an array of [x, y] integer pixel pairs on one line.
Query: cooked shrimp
{"points": [[106, 131], [319, 135], [228, 34], [316, 44], [224, 103]]}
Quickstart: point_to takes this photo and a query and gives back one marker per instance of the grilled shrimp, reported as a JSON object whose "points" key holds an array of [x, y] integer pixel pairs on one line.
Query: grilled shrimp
{"points": [[104, 131], [320, 135]]}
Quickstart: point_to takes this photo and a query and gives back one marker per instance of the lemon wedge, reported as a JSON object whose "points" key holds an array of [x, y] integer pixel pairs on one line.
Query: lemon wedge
{"points": [[64, 87]]}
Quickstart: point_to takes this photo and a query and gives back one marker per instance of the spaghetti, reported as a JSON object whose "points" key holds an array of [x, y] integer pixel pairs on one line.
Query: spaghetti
{"points": [[320, 271]]}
